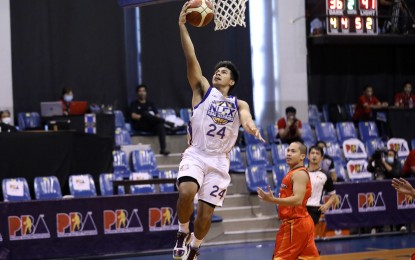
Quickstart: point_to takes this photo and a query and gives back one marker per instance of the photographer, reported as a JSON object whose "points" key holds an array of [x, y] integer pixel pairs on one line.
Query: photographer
{"points": [[289, 127], [383, 167]]}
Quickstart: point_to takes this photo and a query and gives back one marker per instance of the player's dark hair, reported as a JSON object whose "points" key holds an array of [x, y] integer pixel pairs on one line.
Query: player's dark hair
{"points": [[140, 86], [317, 148], [234, 70], [302, 146]]}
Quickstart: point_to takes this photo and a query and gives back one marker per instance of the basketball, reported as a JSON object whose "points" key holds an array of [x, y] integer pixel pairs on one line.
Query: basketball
{"points": [[200, 12]]}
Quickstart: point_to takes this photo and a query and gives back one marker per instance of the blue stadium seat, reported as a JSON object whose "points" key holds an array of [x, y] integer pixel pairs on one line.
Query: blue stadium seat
{"points": [[345, 130], [122, 137], [28, 120], [164, 112], [325, 110], [82, 185], [121, 165], [105, 184], [256, 176], [372, 145], [314, 116], [145, 188], [167, 174], [350, 108], [119, 119], [368, 130], [144, 160], [250, 139], [47, 187], [237, 164], [185, 114], [257, 154], [325, 132], [333, 150], [278, 173], [278, 152], [340, 171], [15, 189], [307, 133], [272, 133]]}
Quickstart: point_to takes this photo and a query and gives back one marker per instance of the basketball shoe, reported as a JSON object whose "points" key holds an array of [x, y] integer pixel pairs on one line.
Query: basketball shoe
{"points": [[192, 252], [181, 247]]}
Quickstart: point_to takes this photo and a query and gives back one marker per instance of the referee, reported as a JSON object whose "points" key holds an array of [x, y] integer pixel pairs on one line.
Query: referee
{"points": [[320, 183]]}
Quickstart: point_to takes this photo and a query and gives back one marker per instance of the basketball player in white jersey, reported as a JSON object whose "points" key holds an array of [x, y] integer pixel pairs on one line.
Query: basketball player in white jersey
{"points": [[212, 132]]}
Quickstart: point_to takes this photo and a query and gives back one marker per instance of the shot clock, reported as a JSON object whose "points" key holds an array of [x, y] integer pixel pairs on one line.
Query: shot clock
{"points": [[352, 17]]}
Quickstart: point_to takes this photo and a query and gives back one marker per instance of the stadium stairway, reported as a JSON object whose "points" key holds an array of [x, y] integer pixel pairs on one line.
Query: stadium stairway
{"points": [[245, 218]]}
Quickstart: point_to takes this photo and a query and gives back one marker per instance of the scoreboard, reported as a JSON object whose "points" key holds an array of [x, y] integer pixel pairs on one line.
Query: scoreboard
{"points": [[352, 17]]}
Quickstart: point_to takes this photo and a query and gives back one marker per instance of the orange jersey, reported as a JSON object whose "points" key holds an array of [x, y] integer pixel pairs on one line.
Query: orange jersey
{"points": [[286, 190]]}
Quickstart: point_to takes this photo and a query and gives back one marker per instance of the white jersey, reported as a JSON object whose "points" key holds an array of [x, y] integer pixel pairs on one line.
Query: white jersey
{"points": [[214, 125]]}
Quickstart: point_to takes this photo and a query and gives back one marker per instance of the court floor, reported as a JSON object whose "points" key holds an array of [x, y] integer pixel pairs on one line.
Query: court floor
{"points": [[397, 247]]}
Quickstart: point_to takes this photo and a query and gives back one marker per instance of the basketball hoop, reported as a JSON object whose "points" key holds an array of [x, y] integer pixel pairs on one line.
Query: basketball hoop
{"points": [[229, 13]]}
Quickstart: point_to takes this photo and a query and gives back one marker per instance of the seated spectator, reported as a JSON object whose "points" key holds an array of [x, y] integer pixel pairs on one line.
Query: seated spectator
{"points": [[145, 117], [367, 101], [382, 167], [327, 163], [6, 122], [405, 99], [66, 99], [408, 169], [289, 127]]}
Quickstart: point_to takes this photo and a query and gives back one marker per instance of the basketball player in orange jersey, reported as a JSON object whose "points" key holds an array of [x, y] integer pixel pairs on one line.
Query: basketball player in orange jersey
{"points": [[212, 132], [295, 239]]}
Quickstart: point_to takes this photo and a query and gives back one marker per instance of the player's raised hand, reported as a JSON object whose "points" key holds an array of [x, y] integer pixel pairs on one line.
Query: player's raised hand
{"points": [[253, 130], [183, 13], [265, 195]]}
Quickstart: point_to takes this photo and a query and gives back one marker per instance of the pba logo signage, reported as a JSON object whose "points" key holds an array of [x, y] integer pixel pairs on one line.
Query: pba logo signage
{"points": [[369, 202], [162, 219], [75, 224], [27, 227], [340, 206], [122, 221], [405, 201]]}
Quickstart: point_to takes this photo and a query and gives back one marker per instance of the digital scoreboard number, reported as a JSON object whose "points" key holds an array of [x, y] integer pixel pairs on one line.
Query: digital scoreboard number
{"points": [[350, 17]]}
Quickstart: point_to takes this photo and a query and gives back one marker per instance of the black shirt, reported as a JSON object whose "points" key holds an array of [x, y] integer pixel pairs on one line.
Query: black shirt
{"points": [[5, 128], [140, 108]]}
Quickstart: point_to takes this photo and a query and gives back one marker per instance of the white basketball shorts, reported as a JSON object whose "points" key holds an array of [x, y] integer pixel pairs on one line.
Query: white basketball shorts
{"points": [[210, 171]]}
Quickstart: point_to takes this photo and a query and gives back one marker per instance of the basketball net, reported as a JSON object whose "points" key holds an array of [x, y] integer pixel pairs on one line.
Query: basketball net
{"points": [[229, 13]]}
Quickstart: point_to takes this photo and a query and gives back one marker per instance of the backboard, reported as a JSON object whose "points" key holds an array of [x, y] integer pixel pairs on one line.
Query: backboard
{"points": [[135, 3]]}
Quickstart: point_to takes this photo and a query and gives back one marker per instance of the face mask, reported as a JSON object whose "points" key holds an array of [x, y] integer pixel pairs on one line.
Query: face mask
{"points": [[6, 120], [68, 98], [390, 160]]}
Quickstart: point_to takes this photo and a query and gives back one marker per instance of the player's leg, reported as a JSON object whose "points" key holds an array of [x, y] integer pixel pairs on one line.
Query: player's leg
{"points": [[189, 180], [212, 193], [201, 227], [309, 251]]}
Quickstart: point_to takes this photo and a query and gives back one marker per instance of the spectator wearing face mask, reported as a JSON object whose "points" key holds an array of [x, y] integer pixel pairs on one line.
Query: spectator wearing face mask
{"points": [[6, 122], [385, 165], [66, 98]]}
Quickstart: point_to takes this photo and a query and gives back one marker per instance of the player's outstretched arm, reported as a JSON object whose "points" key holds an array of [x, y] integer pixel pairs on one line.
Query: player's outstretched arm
{"points": [[194, 72], [246, 120]]}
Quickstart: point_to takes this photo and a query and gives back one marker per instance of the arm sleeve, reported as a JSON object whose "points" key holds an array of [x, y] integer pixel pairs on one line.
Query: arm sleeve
{"points": [[329, 186]]}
